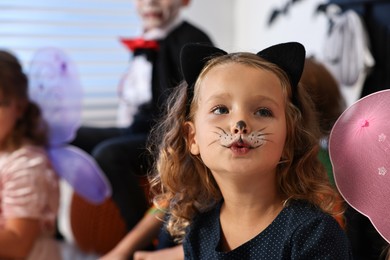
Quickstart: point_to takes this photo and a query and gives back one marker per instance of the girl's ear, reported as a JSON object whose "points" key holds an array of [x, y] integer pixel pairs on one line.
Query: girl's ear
{"points": [[191, 140]]}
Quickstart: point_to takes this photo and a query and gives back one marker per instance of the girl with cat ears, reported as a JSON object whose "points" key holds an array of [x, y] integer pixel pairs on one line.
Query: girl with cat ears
{"points": [[236, 160]]}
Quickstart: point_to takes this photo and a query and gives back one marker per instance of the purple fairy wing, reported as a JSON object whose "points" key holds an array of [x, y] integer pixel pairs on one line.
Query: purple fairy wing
{"points": [[81, 172], [55, 86]]}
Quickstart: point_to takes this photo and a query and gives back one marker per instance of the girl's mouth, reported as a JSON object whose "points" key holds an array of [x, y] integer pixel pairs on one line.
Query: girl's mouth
{"points": [[240, 147], [239, 144], [153, 15]]}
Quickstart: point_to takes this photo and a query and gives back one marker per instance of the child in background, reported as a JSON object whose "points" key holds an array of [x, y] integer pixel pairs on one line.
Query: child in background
{"points": [[29, 194], [328, 102], [153, 72], [237, 160]]}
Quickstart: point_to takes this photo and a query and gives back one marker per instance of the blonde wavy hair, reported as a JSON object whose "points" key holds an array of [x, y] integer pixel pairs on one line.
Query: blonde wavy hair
{"points": [[184, 186]]}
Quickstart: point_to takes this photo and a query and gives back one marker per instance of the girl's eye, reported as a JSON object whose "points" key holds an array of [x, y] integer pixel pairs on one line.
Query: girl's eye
{"points": [[219, 110], [264, 112]]}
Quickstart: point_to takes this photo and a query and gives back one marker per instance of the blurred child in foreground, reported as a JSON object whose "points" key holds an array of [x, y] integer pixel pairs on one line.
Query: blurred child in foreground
{"points": [[29, 194], [154, 70]]}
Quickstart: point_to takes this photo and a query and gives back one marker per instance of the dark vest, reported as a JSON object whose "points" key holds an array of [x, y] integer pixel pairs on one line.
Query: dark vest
{"points": [[166, 72]]}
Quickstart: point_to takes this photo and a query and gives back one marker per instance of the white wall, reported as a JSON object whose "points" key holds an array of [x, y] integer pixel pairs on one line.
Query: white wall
{"points": [[216, 18], [300, 24], [237, 25]]}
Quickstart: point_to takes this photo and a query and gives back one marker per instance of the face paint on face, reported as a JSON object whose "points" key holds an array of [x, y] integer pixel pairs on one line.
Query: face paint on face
{"points": [[239, 123], [158, 13], [241, 141]]}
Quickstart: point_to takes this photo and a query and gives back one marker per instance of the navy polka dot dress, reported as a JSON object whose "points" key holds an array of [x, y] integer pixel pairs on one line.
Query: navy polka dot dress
{"points": [[300, 231]]}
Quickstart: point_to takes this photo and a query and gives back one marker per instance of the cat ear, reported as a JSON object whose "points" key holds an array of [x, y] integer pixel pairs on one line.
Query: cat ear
{"points": [[193, 57], [289, 56]]}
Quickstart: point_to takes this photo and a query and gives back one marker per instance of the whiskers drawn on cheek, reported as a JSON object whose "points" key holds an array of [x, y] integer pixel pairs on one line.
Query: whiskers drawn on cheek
{"points": [[251, 140]]}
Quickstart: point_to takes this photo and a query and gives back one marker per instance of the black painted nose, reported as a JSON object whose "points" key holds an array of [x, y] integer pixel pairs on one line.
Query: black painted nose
{"points": [[240, 127]]}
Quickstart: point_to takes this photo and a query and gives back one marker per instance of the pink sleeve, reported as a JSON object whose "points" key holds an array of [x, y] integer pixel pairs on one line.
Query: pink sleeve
{"points": [[30, 186]]}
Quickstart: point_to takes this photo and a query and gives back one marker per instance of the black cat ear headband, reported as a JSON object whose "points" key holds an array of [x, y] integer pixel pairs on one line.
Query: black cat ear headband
{"points": [[290, 57]]}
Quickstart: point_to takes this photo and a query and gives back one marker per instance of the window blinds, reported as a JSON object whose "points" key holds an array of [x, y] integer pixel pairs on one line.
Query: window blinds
{"points": [[88, 31]]}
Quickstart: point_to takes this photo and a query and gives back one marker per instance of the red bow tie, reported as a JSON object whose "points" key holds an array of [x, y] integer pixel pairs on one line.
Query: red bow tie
{"points": [[139, 43]]}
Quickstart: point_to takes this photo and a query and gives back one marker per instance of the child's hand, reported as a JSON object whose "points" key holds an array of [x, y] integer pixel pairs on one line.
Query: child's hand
{"points": [[174, 253]]}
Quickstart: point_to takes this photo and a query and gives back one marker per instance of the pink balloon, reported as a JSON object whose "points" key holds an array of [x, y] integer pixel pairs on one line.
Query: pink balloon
{"points": [[359, 147]]}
